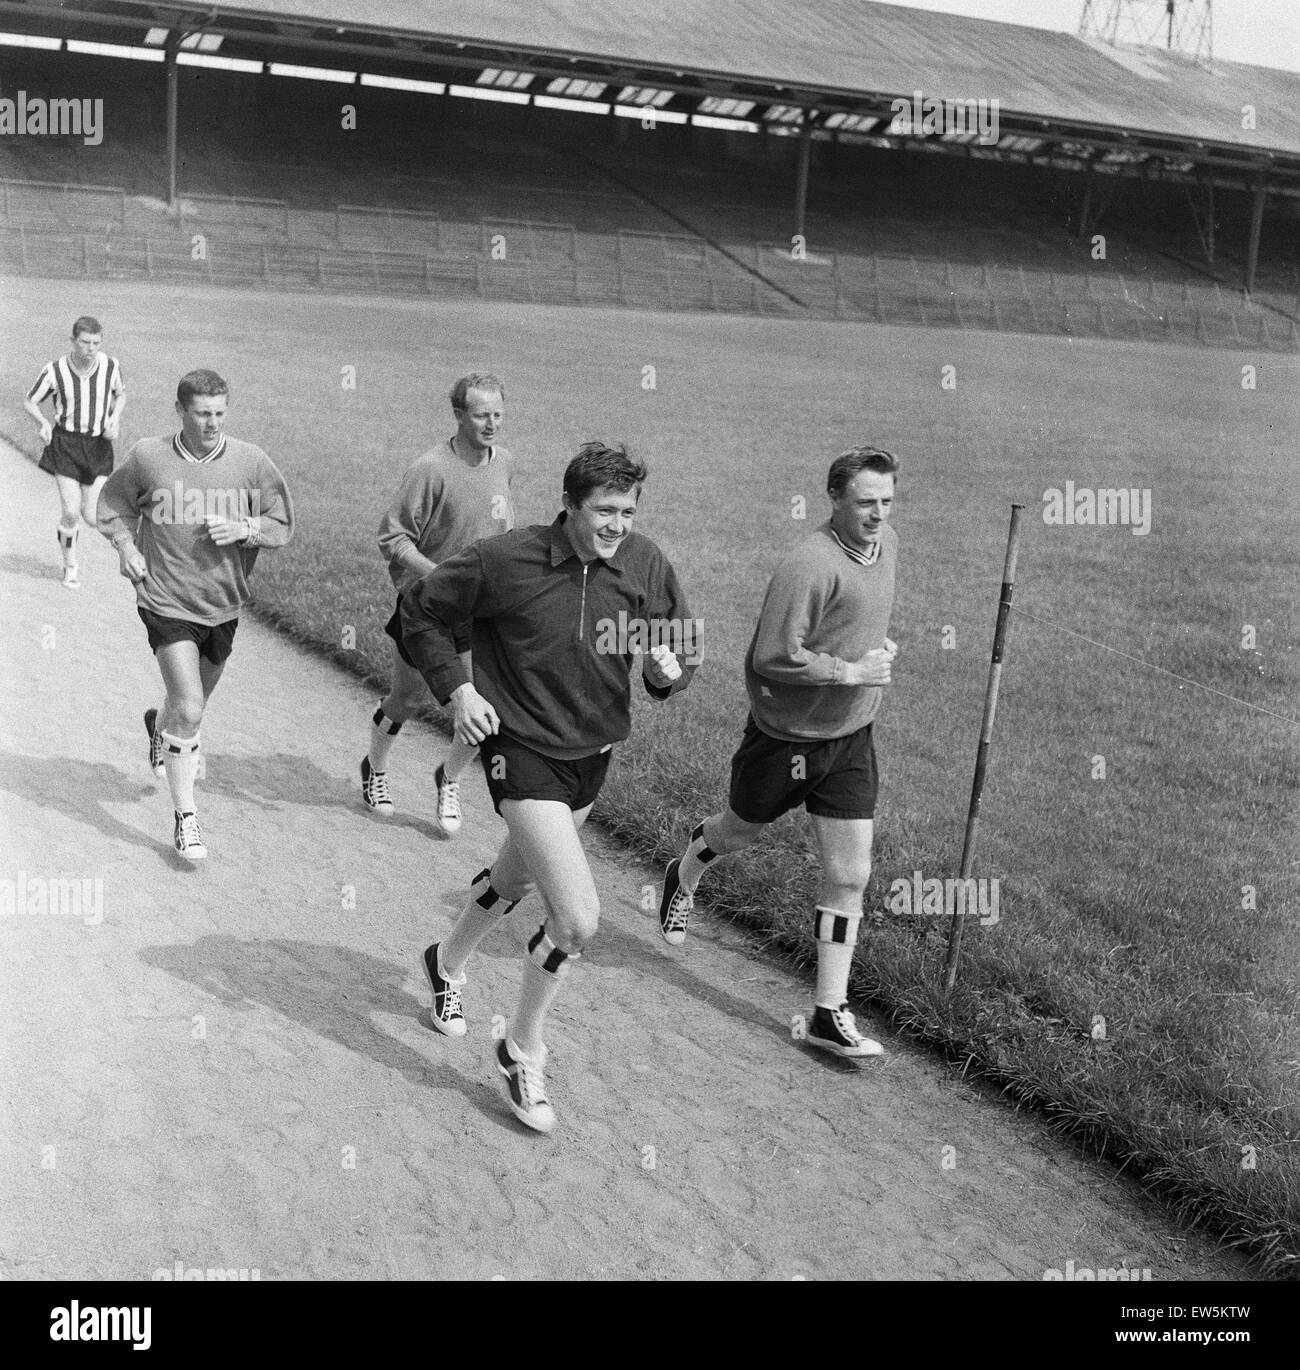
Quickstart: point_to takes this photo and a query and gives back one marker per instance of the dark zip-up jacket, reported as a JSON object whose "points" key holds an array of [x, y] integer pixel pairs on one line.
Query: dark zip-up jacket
{"points": [[547, 652]]}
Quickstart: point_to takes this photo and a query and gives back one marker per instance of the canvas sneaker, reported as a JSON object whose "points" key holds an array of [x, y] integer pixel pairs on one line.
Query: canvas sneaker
{"points": [[448, 1015], [833, 1029], [155, 742], [526, 1085], [675, 905], [374, 788], [187, 838], [448, 803]]}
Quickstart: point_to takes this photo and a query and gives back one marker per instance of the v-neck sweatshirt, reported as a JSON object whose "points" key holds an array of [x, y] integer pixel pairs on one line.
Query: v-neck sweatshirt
{"points": [[160, 500], [822, 611], [442, 506], [546, 633]]}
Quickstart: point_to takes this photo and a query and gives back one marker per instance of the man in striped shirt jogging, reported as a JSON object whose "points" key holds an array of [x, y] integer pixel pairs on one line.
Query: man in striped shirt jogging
{"points": [[561, 613], [186, 515], [815, 673], [89, 396]]}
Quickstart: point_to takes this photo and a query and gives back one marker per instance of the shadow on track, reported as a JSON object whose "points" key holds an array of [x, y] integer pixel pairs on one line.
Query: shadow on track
{"points": [[79, 790], [332, 991]]}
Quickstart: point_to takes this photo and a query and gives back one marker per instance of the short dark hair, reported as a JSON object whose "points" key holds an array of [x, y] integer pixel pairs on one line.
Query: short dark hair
{"points": [[476, 380], [848, 464], [599, 463], [200, 382], [87, 324]]}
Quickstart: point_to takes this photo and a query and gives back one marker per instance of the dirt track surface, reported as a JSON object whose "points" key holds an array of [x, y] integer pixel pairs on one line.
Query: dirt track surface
{"points": [[233, 1069]]}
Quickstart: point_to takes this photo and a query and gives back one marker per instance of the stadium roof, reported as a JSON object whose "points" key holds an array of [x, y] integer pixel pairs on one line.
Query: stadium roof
{"points": [[853, 46], [1147, 108]]}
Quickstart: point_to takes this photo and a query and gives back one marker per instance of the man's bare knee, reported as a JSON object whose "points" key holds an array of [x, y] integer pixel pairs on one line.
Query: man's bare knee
{"points": [[851, 873], [186, 713], [404, 698], [510, 889], [572, 925], [730, 833]]}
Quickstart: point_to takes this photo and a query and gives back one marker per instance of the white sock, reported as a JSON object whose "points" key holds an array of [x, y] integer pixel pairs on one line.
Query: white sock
{"points": [[68, 543], [181, 762], [459, 755], [695, 860], [484, 910], [382, 732], [837, 935], [544, 972]]}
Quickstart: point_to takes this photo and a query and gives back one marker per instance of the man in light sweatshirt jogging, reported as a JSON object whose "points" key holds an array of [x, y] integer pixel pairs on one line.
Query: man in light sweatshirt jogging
{"points": [[549, 697], [815, 673], [186, 515], [452, 496]]}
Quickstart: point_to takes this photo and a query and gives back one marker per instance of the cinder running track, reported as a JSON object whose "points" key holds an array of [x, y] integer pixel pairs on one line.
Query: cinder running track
{"points": [[233, 1070]]}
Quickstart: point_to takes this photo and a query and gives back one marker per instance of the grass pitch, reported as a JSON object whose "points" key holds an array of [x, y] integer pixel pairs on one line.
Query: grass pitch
{"points": [[1141, 981]]}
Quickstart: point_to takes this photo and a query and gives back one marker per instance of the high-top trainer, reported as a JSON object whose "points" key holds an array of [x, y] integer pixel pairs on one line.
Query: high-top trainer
{"points": [[374, 788], [448, 1016], [833, 1029]]}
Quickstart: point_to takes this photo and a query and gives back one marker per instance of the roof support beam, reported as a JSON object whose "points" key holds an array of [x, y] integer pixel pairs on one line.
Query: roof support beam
{"points": [[1256, 224], [1204, 227], [169, 61], [1089, 176], [801, 177]]}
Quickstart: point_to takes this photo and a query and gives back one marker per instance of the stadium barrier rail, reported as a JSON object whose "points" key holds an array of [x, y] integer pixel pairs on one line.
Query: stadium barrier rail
{"points": [[649, 270], [62, 202]]}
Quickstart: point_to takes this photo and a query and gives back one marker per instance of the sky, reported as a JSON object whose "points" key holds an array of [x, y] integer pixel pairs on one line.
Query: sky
{"points": [[1265, 32]]}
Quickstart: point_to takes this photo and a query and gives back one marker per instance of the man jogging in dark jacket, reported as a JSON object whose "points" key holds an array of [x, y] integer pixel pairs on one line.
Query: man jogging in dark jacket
{"points": [[560, 614]]}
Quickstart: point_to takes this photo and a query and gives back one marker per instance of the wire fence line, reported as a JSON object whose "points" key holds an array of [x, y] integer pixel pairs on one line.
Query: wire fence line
{"points": [[1151, 666]]}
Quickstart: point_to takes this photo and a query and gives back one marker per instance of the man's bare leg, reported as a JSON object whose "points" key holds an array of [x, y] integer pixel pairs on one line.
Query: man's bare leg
{"points": [[90, 501], [844, 845], [543, 852], [69, 527], [189, 681], [718, 835], [404, 697]]}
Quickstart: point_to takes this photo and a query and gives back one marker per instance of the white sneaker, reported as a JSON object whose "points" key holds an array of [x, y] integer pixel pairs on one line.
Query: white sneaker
{"points": [[527, 1087], [187, 839], [448, 803]]}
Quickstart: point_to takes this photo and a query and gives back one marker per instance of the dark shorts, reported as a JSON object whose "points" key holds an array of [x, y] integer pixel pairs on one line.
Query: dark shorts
{"points": [[214, 641], [514, 771], [78, 456], [832, 779], [393, 628]]}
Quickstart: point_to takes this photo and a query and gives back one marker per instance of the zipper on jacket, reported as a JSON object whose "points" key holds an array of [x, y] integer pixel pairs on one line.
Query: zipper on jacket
{"points": [[582, 607]]}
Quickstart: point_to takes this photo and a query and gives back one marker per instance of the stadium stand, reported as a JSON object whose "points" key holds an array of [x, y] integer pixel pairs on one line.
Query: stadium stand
{"points": [[461, 197]]}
